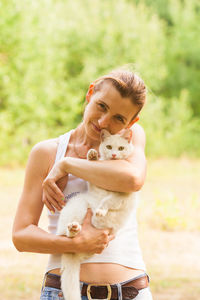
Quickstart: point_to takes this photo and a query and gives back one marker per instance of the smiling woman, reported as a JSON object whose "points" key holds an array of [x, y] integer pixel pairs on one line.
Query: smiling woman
{"points": [[113, 103], [106, 115]]}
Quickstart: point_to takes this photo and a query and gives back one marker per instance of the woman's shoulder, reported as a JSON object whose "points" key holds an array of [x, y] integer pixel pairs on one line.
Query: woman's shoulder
{"points": [[138, 131], [47, 147], [44, 153]]}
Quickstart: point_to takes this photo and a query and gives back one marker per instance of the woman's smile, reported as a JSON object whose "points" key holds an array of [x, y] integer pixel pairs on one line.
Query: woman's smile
{"points": [[95, 127]]}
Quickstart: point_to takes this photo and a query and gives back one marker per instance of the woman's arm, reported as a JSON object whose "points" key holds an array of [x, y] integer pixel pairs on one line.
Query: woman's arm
{"points": [[27, 235], [115, 175]]}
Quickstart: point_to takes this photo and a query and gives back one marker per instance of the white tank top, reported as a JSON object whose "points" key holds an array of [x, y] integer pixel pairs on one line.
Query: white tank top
{"points": [[123, 250]]}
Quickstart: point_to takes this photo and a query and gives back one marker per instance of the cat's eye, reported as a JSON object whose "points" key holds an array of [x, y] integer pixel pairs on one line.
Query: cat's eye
{"points": [[121, 148], [109, 147]]}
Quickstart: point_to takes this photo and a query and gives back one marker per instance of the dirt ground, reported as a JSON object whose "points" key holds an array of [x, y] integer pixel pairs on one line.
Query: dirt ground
{"points": [[172, 257], [172, 260]]}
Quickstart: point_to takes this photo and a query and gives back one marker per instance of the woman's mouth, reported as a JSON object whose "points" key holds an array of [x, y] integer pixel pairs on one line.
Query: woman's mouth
{"points": [[96, 128]]}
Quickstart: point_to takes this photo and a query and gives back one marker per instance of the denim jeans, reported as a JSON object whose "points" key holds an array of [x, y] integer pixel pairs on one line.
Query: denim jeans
{"points": [[49, 293]]}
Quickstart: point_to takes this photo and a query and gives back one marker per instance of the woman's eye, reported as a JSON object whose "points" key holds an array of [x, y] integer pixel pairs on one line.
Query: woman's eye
{"points": [[102, 106], [120, 119], [121, 148], [109, 147]]}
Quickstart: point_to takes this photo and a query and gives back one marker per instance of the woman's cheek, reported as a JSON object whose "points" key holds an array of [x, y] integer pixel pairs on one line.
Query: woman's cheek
{"points": [[116, 128]]}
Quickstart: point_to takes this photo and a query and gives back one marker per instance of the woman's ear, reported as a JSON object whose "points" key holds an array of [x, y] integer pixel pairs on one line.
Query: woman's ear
{"points": [[132, 122], [89, 92]]}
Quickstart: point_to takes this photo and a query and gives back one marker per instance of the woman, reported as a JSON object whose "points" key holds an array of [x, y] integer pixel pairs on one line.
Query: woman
{"points": [[114, 102]]}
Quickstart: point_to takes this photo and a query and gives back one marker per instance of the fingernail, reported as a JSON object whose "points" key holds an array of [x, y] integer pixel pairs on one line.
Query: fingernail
{"points": [[53, 212]]}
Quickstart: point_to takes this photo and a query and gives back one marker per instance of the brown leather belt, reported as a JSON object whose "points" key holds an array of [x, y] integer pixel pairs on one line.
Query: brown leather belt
{"points": [[129, 290]]}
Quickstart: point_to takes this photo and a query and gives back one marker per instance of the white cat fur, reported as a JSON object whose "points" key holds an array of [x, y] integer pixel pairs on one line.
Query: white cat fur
{"points": [[110, 210]]}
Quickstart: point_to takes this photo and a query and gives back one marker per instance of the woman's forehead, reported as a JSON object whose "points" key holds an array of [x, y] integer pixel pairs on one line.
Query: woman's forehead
{"points": [[107, 89], [113, 99]]}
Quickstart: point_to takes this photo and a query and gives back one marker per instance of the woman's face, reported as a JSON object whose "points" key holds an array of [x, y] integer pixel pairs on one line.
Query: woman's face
{"points": [[107, 109]]}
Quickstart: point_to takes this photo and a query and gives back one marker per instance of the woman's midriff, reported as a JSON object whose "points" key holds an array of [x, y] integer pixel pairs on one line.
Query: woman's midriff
{"points": [[104, 273]]}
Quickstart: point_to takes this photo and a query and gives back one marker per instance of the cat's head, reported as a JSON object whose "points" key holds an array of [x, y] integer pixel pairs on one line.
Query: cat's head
{"points": [[117, 146]]}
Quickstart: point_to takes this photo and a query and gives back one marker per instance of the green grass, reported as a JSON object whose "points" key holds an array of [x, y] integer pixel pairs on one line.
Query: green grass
{"points": [[172, 193]]}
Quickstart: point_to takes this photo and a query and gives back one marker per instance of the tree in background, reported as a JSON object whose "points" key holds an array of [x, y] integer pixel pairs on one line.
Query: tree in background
{"points": [[51, 50]]}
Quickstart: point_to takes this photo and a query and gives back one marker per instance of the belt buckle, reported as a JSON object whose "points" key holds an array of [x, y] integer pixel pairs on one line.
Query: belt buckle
{"points": [[105, 284]]}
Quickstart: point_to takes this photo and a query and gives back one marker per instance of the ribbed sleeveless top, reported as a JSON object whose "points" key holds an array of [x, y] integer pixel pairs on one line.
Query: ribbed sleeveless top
{"points": [[124, 249]]}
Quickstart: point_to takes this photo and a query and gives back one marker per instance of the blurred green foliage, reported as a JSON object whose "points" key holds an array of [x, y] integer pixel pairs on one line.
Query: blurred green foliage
{"points": [[50, 50]]}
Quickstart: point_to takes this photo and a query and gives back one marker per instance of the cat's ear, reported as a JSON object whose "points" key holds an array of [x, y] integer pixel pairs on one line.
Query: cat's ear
{"points": [[127, 134], [104, 134]]}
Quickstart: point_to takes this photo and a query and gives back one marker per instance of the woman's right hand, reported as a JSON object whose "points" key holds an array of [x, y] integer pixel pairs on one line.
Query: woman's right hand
{"points": [[91, 239], [53, 185]]}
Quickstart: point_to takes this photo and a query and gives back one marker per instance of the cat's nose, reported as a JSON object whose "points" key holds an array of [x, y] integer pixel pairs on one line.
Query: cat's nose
{"points": [[113, 155]]}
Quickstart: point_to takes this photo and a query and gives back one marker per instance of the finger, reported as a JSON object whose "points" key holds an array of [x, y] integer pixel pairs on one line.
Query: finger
{"points": [[49, 206], [57, 193], [106, 231], [109, 230], [111, 237], [88, 216], [100, 250], [50, 192], [103, 247], [53, 202]]}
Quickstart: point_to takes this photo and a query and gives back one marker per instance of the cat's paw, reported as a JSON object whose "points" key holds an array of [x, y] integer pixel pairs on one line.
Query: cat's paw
{"points": [[92, 154], [73, 229], [100, 212]]}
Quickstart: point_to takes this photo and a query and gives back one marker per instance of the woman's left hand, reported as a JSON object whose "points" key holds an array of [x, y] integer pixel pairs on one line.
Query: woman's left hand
{"points": [[53, 185]]}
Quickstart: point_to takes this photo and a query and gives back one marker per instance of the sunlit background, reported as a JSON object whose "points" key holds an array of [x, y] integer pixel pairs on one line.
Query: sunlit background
{"points": [[50, 51]]}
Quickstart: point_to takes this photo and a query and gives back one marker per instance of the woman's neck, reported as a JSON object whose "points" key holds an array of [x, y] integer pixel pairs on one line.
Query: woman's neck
{"points": [[82, 139]]}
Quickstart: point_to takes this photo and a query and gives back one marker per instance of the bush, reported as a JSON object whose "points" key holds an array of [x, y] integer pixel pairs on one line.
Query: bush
{"points": [[51, 50], [170, 127]]}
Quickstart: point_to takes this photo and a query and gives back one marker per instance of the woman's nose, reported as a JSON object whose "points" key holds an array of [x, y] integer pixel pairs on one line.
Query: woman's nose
{"points": [[103, 121]]}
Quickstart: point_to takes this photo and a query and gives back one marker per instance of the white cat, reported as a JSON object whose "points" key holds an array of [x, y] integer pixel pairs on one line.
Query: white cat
{"points": [[110, 210]]}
